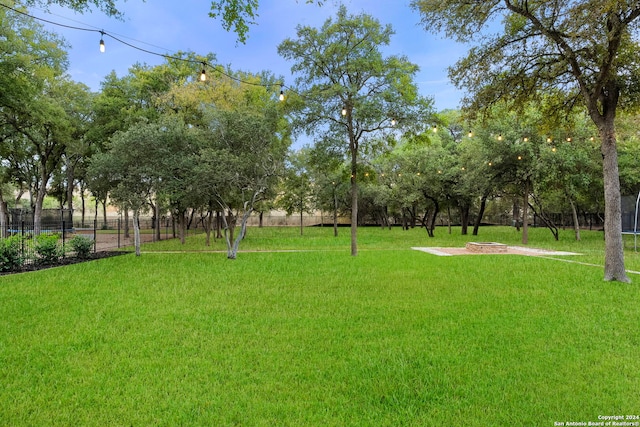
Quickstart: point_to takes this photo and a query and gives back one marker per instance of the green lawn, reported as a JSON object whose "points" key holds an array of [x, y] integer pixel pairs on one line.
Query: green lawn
{"points": [[306, 335]]}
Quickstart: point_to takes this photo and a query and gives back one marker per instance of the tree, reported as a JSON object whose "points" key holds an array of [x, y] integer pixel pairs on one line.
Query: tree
{"points": [[297, 185], [106, 6], [238, 14], [33, 122], [547, 48], [348, 90], [241, 161], [146, 160]]}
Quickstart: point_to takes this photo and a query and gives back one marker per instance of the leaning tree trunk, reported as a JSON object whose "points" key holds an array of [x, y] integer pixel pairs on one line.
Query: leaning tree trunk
{"points": [[483, 205], [576, 222]]}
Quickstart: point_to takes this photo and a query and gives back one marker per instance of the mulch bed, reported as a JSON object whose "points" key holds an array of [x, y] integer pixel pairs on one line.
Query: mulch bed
{"points": [[35, 266]]}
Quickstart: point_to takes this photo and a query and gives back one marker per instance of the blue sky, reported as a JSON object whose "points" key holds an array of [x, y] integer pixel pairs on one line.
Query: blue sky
{"points": [[167, 26]]}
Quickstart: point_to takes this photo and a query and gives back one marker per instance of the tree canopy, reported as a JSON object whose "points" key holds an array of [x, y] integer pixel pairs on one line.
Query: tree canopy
{"points": [[573, 53], [349, 91]]}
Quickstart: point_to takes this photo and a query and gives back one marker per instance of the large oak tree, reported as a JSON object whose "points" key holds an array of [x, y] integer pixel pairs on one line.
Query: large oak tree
{"points": [[581, 51]]}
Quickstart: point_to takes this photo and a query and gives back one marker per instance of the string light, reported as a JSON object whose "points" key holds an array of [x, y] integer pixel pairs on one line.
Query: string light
{"points": [[470, 134], [393, 122], [344, 111], [500, 137], [435, 129], [103, 48], [525, 139], [281, 94], [203, 75]]}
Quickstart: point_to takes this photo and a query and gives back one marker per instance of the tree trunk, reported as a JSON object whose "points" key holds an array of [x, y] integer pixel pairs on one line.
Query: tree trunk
{"points": [[209, 226], [354, 204], [37, 210], [83, 206], [218, 225], [335, 213], [157, 214], [301, 224], [464, 219], [525, 213], [127, 232], [576, 222], [136, 230], [614, 250], [3, 217], [70, 175], [104, 213], [182, 226], [483, 205], [432, 222]]}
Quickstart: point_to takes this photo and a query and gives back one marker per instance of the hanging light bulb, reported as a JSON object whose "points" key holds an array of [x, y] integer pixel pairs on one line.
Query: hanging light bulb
{"points": [[500, 137], [470, 134], [393, 122], [435, 129], [525, 139], [281, 97], [203, 74], [548, 139], [102, 47], [344, 111]]}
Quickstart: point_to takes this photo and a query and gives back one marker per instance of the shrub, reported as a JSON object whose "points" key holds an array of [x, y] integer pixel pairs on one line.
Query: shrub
{"points": [[11, 253], [81, 245], [48, 249]]}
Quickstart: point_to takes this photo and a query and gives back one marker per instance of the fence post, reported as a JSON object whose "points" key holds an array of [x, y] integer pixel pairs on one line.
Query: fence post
{"points": [[64, 229], [95, 235], [118, 232]]}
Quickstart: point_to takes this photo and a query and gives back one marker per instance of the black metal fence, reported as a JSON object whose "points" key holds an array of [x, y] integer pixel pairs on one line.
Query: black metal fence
{"points": [[106, 236]]}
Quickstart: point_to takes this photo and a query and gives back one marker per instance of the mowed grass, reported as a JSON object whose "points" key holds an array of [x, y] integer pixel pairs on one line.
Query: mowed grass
{"points": [[296, 332]]}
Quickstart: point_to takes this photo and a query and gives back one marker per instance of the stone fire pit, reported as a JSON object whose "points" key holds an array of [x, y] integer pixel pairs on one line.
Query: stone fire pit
{"points": [[486, 247]]}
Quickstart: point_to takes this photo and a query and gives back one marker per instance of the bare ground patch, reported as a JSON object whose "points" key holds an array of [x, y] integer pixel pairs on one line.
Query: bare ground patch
{"points": [[510, 250]]}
